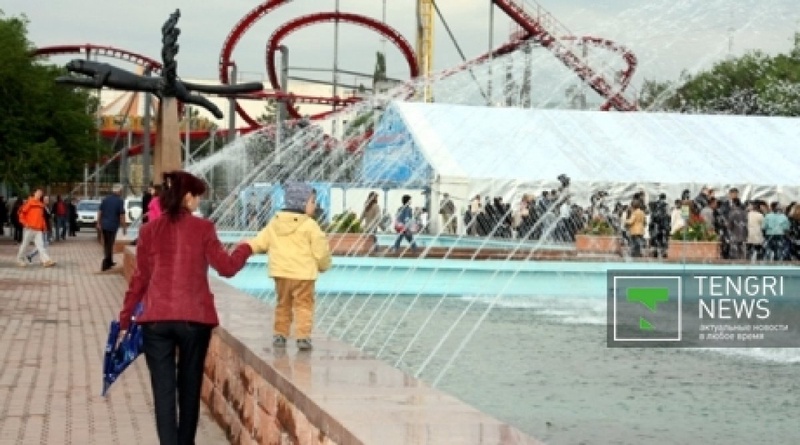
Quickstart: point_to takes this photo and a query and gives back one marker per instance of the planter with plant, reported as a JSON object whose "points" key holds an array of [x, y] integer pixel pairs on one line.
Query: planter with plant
{"points": [[346, 237], [598, 237], [694, 242]]}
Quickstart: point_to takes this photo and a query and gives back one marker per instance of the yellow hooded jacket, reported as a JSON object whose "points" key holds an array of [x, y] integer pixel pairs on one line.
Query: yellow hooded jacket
{"points": [[297, 247]]}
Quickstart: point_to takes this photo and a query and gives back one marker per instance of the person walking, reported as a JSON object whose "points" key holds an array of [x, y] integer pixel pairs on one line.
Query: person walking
{"points": [[48, 218], [3, 215], [32, 217], [153, 208], [755, 231], [636, 224], [371, 215], [472, 214], [110, 217], [72, 216], [447, 210], [16, 224], [403, 225], [298, 251], [61, 213], [736, 218], [173, 255], [776, 226], [146, 197]]}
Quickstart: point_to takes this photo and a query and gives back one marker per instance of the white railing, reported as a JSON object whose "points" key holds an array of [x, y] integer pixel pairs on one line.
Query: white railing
{"points": [[566, 46], [541, 16]]}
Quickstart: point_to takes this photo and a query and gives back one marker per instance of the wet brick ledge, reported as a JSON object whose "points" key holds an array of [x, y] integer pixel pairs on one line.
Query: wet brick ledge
{"points": [[334, 394]]}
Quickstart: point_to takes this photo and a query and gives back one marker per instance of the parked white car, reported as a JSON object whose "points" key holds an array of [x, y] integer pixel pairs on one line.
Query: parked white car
{"points": [[87, 212]]}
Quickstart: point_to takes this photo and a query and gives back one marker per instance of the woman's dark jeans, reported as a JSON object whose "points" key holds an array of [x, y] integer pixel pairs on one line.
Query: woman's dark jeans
{"points": [[176, 425], [408, 236]]}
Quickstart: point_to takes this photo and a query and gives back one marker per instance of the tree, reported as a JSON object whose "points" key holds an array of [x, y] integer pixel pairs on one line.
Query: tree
{"points": [[47, 131], [270, 113], [753, 84], [652, 94], [380, 69]]}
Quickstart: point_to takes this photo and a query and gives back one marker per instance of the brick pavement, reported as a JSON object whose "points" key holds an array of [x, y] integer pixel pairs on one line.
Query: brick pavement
{"points": [[53, 327]]}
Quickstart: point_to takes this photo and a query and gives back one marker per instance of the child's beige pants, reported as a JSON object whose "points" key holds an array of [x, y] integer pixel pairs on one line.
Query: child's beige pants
{"points": [[295, 297]]}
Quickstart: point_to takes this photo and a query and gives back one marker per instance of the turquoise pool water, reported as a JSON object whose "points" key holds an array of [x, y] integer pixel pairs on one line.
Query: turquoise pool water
{"points": [[526, 342]]}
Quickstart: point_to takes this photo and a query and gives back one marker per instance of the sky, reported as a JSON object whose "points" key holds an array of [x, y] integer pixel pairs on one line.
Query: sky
{"points": [[667, 36]]}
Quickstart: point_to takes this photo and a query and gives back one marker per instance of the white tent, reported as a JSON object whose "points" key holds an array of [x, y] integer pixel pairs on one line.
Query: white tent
{"points": [[468, 150]]}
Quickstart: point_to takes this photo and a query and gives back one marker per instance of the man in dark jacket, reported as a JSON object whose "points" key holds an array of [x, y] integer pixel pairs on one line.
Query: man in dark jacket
{"points": [[110, 217], [3, 215], [72, 214], [16, 224], [703, 198], [659, 226], [736, 219], [725, 207]]}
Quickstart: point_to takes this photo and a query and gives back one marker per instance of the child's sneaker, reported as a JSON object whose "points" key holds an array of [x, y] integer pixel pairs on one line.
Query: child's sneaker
{"points": [[304, 344], [279, 341], [22, 264], [49, 264]]}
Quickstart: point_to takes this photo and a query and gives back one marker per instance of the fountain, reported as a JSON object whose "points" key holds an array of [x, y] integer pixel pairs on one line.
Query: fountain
{"points": [[436, 318], [517, 336]]}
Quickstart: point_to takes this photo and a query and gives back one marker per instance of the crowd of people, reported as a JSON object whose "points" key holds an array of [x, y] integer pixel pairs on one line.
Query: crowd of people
{"points": [[39, 220], [752, 229], [60, 216], [745, 229], [42, 221]]}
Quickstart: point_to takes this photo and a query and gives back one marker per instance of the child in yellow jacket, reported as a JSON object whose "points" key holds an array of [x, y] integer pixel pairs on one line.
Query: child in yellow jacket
{"points": [[298, 251]]}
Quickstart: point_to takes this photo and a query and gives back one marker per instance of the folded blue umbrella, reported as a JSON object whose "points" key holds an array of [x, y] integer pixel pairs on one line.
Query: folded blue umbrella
{"points": [[120, 354]]}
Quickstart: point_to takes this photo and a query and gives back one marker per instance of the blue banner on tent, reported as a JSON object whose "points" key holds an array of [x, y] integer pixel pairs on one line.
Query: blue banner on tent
{"points": [[392, 156]]}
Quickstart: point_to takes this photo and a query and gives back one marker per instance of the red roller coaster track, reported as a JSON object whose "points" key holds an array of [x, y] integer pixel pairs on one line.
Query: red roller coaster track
{"points": [[293, 25], [531, 29], [144, 61], [99, 50], [265, 8], [535, 29]]}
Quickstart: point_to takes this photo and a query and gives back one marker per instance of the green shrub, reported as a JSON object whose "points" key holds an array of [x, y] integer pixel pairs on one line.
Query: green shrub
{"points": [[598, 226], [347, 222]]}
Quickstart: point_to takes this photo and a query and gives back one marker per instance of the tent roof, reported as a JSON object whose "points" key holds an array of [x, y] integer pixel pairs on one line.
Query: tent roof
{"points": [[525, 144]]}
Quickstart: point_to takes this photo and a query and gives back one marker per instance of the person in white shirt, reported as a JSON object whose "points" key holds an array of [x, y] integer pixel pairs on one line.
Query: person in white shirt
{"points": [[755, 235], [676, 221], [423, 220]]}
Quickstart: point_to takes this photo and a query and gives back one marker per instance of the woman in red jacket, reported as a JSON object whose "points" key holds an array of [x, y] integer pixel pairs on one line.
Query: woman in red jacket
{"points": [[171, 280]]}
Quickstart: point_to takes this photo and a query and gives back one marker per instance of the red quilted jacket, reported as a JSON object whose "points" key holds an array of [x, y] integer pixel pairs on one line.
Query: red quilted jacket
{"points": [[171, 278]]}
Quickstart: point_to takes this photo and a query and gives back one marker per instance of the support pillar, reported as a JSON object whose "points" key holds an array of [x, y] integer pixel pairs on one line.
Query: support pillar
{"points": [[146, 152], [168, 139], [232, 108]]}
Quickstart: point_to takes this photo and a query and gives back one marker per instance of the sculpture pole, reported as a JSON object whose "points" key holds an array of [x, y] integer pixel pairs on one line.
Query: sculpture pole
{"points": [[148, 127], [168, 88], [168, 142]]}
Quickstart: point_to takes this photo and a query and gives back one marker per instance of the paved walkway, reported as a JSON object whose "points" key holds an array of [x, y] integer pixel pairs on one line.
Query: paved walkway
{"points": [[53, 328]]}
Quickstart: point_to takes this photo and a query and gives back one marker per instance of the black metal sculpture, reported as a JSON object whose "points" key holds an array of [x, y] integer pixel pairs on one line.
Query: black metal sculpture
{"points": [[169, 49], [168, 85]]}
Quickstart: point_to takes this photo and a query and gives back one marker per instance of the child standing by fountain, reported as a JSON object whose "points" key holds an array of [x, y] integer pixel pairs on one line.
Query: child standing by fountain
{"points": [[298, 251]]}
